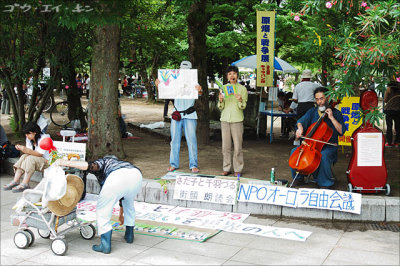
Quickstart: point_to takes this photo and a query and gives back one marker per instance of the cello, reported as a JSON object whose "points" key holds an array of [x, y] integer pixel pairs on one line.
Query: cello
{"points": [[307, 157]]}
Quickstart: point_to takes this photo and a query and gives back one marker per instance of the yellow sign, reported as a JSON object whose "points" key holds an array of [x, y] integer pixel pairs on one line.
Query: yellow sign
{"points": [[265, 48], [350, 107]]}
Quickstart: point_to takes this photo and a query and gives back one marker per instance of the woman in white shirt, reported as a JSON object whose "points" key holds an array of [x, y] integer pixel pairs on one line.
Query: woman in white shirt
{"points": [[33, 159]]}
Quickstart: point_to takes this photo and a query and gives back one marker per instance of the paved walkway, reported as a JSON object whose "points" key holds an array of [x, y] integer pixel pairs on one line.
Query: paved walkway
{"points": [[339, 243]]}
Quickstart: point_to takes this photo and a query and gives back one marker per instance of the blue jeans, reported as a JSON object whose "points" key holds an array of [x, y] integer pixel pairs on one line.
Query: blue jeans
{"points": [[189, 127], [323, 175]]}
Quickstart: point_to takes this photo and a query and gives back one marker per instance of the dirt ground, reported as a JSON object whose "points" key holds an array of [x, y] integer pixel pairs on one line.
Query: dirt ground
{"points": [[151, 152]]}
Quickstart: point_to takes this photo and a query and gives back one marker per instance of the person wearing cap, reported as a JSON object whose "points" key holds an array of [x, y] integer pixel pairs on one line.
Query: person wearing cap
{"points": [[33, 159], [119, 181], [303, 93], [232, 117], [188, 123]]}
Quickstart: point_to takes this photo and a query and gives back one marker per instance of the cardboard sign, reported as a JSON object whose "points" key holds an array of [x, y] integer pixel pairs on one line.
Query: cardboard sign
{"points": [[177, 84], [66, 148]]}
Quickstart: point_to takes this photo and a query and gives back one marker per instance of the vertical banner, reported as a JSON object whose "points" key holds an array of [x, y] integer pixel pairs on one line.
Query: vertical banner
{"points": [[265, 47], [350, 107]]}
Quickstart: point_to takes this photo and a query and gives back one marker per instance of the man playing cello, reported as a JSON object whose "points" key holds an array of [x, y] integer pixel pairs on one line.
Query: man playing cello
{"points": [[334, 120]]}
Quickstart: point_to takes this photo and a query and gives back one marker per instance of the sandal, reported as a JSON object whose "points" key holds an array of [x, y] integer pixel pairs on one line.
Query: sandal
{"points": [[171, 169], [10, 186], [20, 188], [195, 170], [226, 173]]}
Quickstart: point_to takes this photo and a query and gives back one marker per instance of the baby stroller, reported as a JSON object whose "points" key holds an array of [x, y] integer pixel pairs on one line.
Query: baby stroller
{"points": [[49, 219]]}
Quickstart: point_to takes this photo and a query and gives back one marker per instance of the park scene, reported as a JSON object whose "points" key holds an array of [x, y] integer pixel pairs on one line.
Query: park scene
{"points": [[200, 132]]}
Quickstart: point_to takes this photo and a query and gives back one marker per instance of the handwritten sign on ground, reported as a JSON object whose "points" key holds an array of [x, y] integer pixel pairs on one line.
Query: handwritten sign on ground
{"points": [[301, 198], [213, 190], [194, 217], [177, 84]]}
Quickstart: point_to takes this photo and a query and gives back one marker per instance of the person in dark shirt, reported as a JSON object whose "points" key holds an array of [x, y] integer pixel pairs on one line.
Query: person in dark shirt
{"points": [[119, 181], [334, 119]]}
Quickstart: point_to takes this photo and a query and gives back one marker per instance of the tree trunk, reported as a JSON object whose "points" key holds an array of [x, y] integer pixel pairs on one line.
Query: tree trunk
{"points": [[104, 132], [197, 27]]}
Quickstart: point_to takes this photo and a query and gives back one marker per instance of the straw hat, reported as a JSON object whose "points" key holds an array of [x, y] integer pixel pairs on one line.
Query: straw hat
{"points": [[72, 196], [307, 74]]}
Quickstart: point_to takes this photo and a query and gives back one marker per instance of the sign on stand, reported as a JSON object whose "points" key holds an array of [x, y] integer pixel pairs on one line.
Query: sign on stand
{"points": [[213, 190], [67, 148]]}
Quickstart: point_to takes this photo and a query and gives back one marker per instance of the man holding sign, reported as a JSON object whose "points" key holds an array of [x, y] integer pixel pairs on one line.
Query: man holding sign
{"points": [[185, 117], [232, 102]]}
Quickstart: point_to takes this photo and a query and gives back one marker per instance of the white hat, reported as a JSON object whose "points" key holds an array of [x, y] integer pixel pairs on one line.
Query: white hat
{"points": [[186, 65], [307, 74]]}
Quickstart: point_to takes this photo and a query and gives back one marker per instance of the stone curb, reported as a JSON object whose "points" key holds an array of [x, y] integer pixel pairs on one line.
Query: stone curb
{"points": [[373, 208]]}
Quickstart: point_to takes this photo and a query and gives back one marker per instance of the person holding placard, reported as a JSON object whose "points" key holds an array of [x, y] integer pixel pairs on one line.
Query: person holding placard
{"points": [[232, 102], [184, 117]]}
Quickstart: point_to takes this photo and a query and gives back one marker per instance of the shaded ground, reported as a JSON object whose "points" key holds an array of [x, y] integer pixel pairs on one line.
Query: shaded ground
{"points": [[151, 152]]}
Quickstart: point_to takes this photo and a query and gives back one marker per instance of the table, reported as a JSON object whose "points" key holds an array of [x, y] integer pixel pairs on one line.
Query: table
{"points": [[276, 114]]}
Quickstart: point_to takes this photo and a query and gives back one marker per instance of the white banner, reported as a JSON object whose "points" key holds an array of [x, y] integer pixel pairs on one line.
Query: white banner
{"points": [[177, 84], [210, 219], [213, 190], [303, 198]]}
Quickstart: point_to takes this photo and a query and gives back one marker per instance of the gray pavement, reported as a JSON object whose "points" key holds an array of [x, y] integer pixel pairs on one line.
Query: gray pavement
{"points": [[331, 243]]}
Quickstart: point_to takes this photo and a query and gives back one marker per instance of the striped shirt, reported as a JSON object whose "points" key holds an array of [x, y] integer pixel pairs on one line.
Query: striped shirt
{"points": [[109, 164]]}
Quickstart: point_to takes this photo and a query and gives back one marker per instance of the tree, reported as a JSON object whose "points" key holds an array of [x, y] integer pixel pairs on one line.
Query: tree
{"points": [[197, 27]]}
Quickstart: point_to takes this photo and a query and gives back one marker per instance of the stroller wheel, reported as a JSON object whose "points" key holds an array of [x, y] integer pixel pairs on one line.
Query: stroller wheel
{"points": [[59, 246], [44, 233], [22, 239], [88, 231], [387, 188], [32, 236], [349, 187]]}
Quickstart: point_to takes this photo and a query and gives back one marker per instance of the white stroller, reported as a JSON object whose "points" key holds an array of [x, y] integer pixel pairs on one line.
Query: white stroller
{"points": [[47, 223]]}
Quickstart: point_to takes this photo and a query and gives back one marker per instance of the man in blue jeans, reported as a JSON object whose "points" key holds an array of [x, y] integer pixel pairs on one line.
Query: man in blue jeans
{"points": [[189, 123]]}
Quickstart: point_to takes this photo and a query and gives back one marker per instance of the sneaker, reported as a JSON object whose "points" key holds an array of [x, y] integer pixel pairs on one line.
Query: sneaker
{"points": [[388, 145]]}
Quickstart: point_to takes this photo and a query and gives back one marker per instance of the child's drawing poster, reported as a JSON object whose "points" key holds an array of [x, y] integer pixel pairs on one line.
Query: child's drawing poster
{"points": [[229, 90], [177, 84]]}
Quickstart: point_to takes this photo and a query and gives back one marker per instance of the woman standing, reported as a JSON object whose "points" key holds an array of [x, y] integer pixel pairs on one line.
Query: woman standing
{"points": [[33, 159], [232, 117]]}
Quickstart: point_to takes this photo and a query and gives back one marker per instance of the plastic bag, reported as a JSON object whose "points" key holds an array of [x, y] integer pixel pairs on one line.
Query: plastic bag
{"points": [[56, 184]]}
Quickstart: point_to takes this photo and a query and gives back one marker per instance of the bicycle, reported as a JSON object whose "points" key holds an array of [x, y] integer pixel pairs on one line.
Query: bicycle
{"points": [[40, 96], [59, 114]]}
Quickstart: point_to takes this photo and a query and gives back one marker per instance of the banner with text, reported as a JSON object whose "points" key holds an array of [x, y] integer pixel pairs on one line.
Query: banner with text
{"points": [[265, 47], [350, 107], [301, 198], [213, 190]]}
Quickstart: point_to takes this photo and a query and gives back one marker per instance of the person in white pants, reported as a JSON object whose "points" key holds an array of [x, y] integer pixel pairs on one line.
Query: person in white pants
{"points": [[119, 181]]}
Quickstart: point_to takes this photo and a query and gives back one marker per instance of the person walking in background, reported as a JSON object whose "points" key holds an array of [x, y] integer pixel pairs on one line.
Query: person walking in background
{"points": [[188, 123], [87, 85], [392, 113], [166, 104], [232, 117], [303, 93], [5, 103]]}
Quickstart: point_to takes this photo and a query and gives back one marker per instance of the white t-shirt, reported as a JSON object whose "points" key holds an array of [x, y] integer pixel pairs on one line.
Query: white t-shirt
{"points": [[87, 82], [304, 91], [46, 154]]}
